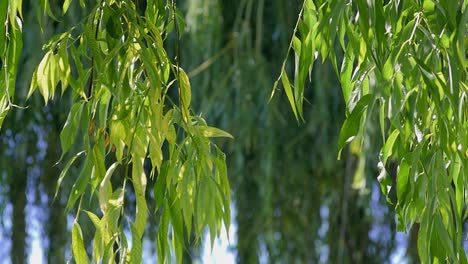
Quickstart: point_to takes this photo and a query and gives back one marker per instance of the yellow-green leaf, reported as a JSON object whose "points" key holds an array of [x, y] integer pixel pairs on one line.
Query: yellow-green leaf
{"points": [[139, 184], [66, 4], [185, 92], [387, 149], [289, 93], [105, 188], [136, 251], [209, 132], [79, 251]]}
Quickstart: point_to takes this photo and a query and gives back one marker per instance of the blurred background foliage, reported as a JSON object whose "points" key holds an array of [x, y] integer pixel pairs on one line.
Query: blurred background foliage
{"points": [[294, 201]]}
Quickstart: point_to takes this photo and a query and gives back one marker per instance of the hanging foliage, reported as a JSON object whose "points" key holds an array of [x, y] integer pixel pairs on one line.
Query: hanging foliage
{"points": [[131, 103], [11, 43], [406, 61]]}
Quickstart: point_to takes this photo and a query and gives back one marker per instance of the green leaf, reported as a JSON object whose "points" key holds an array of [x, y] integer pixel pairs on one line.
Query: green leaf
{"points": [[118, 134], [70, 129], [63, 68], [385, 181], [159, 189], [98, 242], [13, 6], [402, 180], [45, 8], [387, 149], [346, 73], [42, 77], [139, 185], [99, 167], [446, 241], [223, 187], [63, 173], [205, 203], [10, 58], [162, 243], [388, 71], [185, 93], [462, 39], [352, 124], [79, 251], [458, 180], [382, 118], [66, 4], [114, 25], [186, 190], [289, 92], [180, 22], [178, 230], [3, 15], [303, 67], [80, 184], [105, 188], [136, 251], [4, 109], [155, 151], [207, 131]]}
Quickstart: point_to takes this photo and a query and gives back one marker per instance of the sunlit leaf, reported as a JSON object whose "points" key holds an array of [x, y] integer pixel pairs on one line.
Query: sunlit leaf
{"points": [[98, 242], [105, 187], [79, 251], [139, 184], [66, 5], [137, 251], [208, 132], [185, 92], [387, 70], [387, 149], [289, 93]]}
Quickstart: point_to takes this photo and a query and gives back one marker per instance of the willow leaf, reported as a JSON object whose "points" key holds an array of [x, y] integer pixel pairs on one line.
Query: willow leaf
{"points": [[79, 251], [70, 129], [66, 5], [289, 92], [387, 149], [136, 251], [209, 132], [64, 171], [80, 184], [105, 188], [98, 241], [353, 123], [185, 93], [139, 184]]}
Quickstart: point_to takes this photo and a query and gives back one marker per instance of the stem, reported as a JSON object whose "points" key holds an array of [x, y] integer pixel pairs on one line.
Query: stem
{"points": [[259, 28], [290, 47]]}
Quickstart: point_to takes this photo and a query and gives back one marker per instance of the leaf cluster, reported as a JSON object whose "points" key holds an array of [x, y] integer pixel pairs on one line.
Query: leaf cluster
{"points": [[407, 62], [124, 113]]}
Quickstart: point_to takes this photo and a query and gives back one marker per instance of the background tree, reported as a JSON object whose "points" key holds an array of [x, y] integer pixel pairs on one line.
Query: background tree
{"points": [[286, 180]]}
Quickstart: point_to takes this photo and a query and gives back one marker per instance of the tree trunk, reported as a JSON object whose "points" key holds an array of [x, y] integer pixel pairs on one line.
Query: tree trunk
{"points": [[56, 226], [412, 249], [18, 201]]}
